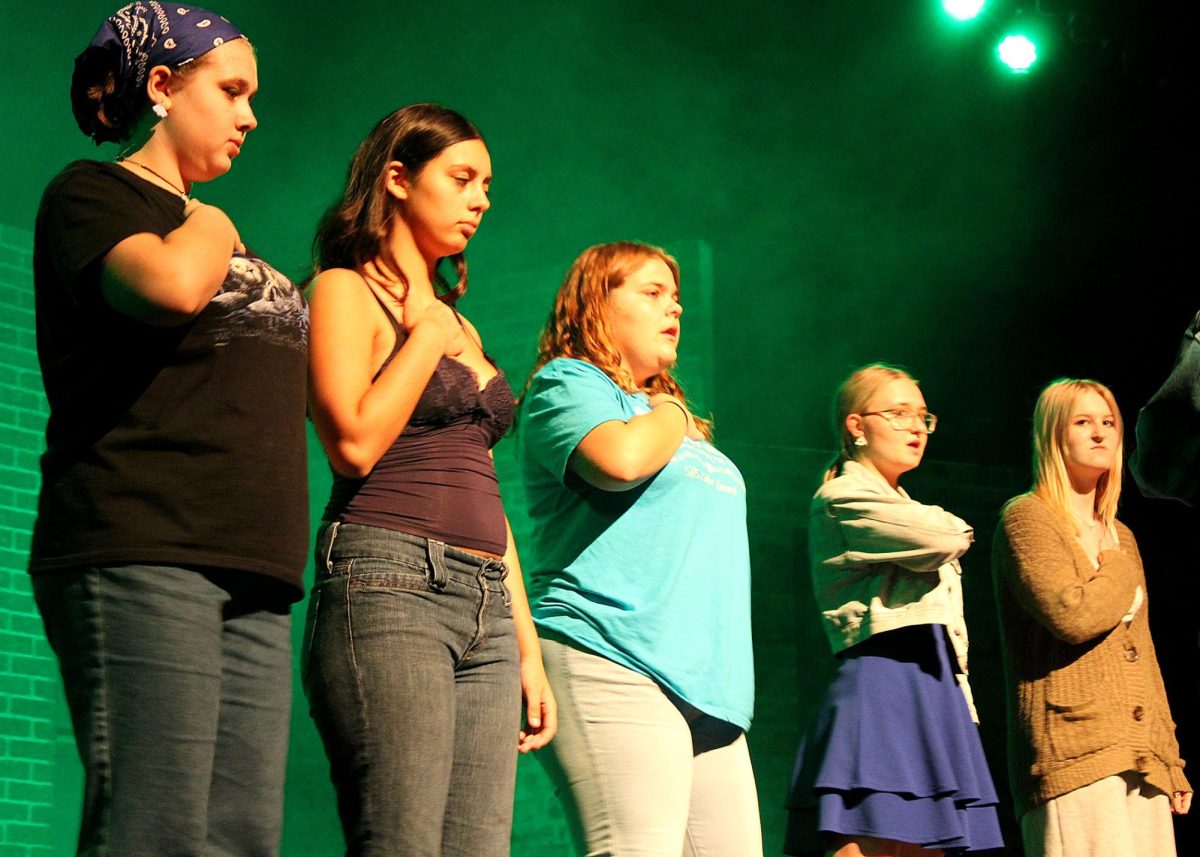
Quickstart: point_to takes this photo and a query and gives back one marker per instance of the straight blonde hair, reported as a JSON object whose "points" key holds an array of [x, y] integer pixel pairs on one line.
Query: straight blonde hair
{"points": [[852, 398], [1051, 482]]}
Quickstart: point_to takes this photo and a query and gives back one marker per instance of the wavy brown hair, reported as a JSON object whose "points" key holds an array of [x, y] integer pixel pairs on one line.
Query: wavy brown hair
{"points": [[578, 323], [355, 229]]}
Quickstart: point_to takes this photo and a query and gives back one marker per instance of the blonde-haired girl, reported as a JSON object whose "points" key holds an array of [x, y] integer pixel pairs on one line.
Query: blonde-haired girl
{"points": [[1094, 765], [892, 764]]}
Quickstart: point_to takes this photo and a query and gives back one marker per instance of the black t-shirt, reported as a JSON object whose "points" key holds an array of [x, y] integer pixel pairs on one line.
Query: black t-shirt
{"points": [[165, 445]]}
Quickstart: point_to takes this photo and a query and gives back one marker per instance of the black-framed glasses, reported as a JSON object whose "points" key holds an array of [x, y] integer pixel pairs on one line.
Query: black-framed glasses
{"points": [[902, 419]]}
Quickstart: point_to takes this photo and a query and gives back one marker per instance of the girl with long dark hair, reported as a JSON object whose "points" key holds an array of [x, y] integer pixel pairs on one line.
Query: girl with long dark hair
{"points": [[419, 643]]}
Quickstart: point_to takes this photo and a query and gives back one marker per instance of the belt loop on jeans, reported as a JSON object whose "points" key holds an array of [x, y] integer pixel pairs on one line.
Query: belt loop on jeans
{"points": [[494, 569], [498, 569], [330, 535], [436, 551]]}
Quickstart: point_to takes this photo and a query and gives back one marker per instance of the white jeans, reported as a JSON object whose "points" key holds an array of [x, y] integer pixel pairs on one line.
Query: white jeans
{"points": [[641, 775]]}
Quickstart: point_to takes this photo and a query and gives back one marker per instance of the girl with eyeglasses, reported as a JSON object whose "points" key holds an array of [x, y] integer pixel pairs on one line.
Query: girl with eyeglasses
{"points": [[892, 763], [1093, 761]]}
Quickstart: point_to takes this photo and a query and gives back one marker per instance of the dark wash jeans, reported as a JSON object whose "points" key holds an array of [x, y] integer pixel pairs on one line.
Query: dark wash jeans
{"points": [[411, 669], [179, 685]]}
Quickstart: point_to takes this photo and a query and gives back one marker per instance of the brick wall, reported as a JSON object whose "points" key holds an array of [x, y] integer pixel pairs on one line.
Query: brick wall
{"points": [[28, 681]]}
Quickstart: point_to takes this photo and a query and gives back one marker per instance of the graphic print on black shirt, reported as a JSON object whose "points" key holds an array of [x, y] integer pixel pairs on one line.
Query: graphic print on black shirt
{"points": [[256, 300], [180, 445]]}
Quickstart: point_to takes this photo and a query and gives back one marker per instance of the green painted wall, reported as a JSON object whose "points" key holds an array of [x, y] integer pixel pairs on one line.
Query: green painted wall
{"points": [[869, 187]]}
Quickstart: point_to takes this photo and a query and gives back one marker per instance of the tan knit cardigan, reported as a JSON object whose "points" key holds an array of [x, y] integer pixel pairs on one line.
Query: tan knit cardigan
{"points": [[1085, 696]]}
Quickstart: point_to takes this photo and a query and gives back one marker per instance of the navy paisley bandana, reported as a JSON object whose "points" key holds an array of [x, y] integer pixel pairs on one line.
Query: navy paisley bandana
{"points": [[144, 35], [150, 34]]}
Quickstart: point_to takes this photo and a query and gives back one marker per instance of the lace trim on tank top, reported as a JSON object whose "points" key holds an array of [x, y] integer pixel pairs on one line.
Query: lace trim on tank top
{"points": [[453, 393]]}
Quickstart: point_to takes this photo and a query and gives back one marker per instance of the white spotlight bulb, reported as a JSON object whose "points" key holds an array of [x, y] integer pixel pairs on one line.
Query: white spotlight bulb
{"points": [[963, 10], [1018, 53]]}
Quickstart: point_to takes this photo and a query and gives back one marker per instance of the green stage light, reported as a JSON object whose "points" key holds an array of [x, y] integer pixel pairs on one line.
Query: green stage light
{"points": [[963, 10], [1017, 52]]}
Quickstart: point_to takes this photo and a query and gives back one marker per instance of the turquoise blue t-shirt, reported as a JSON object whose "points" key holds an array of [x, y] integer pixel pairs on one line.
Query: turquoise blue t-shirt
{"points": [[656, 578]]}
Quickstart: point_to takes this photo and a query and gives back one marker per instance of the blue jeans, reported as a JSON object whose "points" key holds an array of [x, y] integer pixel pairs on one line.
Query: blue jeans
{"points": [[412, 674], [179, 685]]}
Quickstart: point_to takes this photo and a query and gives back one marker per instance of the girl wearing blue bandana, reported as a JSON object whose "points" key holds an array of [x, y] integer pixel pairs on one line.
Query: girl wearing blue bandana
{"points": [[172, 519]]}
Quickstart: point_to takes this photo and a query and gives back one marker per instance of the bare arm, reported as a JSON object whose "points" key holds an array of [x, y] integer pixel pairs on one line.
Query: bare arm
{"points": [[357, 415], [617, 456], [541, 709], [169, 280]]}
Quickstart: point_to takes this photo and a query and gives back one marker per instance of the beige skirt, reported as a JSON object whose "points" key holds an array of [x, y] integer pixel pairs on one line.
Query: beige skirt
{"points": [[1119, 815]]}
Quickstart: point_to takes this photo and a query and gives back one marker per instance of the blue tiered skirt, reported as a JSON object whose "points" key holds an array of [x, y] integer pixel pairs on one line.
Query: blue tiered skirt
{"points": [[893, 753]]}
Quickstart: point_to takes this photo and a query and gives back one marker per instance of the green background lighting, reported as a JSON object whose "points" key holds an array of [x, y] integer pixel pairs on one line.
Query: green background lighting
{"points": [[842, 183]]}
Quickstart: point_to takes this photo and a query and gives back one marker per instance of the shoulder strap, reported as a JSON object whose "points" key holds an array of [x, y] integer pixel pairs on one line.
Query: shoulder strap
{"points": [[396, 325]]}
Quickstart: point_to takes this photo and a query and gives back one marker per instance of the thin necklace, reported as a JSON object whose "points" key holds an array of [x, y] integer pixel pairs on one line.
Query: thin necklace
{"points": [[182, 193]]}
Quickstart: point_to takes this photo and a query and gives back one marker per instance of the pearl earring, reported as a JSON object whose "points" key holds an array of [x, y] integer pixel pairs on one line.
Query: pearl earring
{"points": [[159, 111], [860, 441]]}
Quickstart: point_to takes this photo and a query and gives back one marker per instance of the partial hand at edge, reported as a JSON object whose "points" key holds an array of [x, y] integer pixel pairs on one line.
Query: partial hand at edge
{"points": [[194, 205], [663, 398], [541, 708], [439, 320]]}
